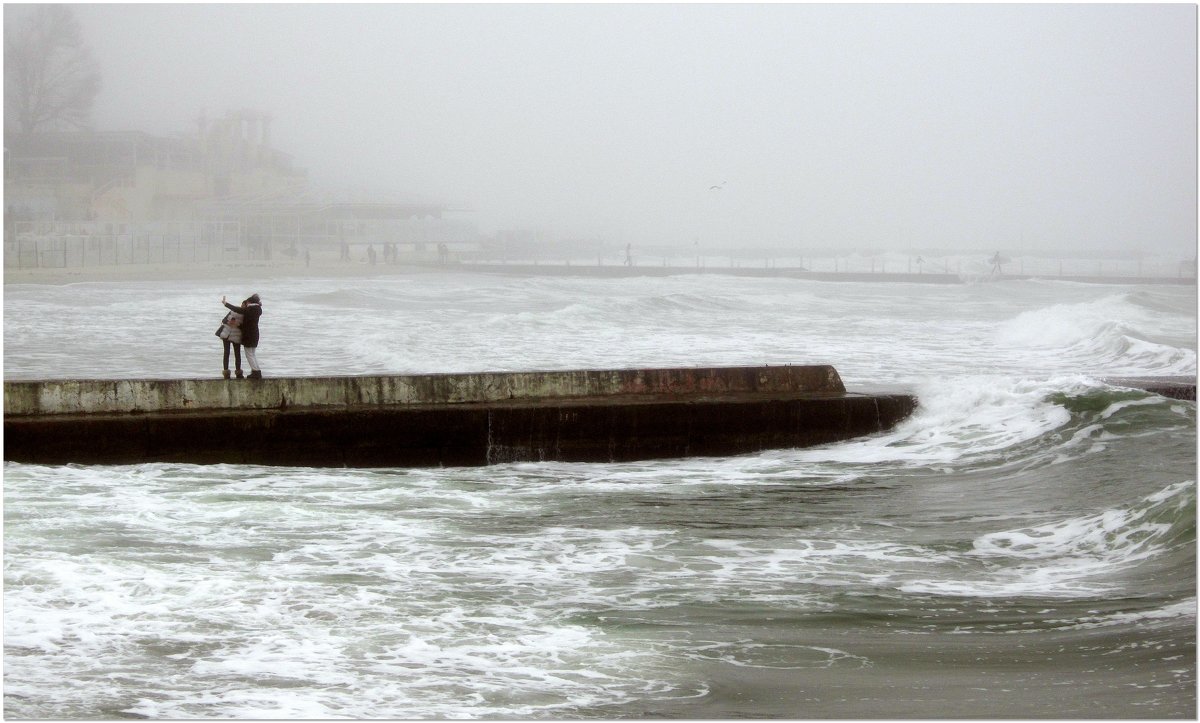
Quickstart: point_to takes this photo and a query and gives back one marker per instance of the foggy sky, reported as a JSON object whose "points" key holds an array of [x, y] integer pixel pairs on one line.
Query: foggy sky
{"points": [[1031, 127]]}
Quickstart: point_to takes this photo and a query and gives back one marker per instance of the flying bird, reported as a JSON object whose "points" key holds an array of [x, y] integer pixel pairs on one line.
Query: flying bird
{"points": [[717, 188]]}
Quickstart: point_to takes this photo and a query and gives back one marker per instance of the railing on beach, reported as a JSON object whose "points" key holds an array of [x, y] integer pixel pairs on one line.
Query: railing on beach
{"points": [[80, 251], [200, 245]]}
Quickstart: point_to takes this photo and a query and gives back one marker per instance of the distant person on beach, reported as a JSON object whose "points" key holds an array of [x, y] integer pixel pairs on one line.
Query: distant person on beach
{"points": [[443, 253], [996, 261], [629, 254], [251, 310], [230, 333]]}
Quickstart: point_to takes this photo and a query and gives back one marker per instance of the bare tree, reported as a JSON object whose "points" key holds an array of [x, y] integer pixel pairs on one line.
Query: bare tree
{"points": [[50, 76]]}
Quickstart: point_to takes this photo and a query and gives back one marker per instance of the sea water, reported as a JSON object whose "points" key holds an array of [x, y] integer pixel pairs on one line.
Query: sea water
{"points": [[1022, 546]]}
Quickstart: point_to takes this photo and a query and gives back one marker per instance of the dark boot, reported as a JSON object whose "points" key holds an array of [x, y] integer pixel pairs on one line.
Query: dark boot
{"points": [[225, 373], [255, 374], [239, 373]]}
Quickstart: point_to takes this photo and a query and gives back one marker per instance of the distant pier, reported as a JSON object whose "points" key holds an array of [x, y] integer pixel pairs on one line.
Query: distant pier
{"points": [[620, 271], [441, 419]]}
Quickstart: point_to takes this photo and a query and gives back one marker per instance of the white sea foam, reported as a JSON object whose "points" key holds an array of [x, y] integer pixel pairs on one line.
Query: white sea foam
{"points": [[174, 591], [873, 333], [1116, 536], [1181, 609], [976, 416], [360, 593], [1108, 334], [1076, 557]]}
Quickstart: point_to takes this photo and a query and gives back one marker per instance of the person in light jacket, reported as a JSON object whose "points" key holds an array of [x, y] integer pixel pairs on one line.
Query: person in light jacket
{"points": [[251, 310], [230, 333]]}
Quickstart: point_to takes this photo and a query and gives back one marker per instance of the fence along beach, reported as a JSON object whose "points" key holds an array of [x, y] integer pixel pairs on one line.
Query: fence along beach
{"points": [[54, 257]]}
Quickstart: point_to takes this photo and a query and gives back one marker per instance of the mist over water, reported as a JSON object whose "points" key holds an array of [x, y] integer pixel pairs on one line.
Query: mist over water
{"points": [[1023, 546], [897, 127]]}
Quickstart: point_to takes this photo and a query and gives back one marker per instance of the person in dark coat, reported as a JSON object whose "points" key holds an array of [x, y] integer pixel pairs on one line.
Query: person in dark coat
{"points": [[251, 310]]}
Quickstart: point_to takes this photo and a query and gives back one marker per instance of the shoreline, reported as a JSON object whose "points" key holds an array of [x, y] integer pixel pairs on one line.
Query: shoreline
{"points": [[204, 271], [328, 268]]}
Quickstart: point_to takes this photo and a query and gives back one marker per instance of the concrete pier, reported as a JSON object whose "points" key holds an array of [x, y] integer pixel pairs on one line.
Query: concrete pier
{"points": [[440, 419]]}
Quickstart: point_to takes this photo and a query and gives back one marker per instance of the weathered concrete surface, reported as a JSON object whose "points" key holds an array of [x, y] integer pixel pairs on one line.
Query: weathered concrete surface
{"points": [[443, 419], [80, 396], [602, 430]]}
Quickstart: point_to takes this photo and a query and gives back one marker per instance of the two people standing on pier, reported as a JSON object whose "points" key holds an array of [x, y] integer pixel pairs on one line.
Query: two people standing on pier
{"points": [[243, 330]]}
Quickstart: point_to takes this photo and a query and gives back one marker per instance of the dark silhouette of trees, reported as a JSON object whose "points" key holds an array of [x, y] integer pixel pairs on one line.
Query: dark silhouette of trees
{"points": [[50, 76]]}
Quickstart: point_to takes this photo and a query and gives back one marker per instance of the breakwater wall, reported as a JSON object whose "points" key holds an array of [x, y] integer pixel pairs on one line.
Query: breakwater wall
{"points": [[440, 419], [1175, 387]]}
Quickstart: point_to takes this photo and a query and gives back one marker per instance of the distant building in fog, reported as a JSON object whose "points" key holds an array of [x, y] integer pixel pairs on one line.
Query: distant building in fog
{"points": [[123, 177], [224, 185]]}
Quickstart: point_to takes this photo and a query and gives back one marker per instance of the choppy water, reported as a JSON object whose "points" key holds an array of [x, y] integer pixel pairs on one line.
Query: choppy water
{"points": [[1023, 546]]}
